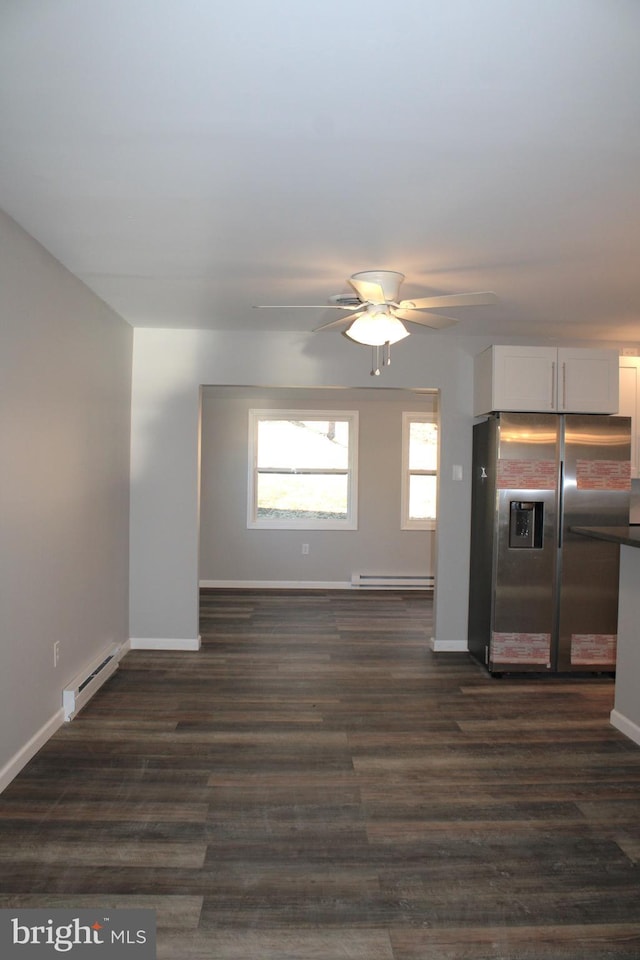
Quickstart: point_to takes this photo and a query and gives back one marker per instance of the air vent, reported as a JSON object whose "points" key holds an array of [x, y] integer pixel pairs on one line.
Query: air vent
{"points": [[83, 687], [392, 580]]}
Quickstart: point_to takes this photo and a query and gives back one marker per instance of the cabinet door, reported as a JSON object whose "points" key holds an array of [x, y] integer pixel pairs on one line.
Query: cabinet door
{"points": [[524, 378], [629, 401], [588, 380]]}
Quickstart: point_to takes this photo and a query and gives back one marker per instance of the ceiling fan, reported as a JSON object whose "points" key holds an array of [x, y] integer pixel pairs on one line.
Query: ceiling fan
{"points": [[376, 312]]}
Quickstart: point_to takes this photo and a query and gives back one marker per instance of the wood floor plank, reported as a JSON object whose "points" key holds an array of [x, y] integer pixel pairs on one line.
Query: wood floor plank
{"points": [[79, 852], [316, 784], [178, 915], [525, 942], [286, 944]]}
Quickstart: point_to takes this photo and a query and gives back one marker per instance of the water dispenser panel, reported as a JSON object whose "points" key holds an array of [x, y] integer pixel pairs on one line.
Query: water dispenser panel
{"points": [[525, 524]]}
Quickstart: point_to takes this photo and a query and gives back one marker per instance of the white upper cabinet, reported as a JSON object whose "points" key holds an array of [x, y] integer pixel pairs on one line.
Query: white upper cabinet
{"points": [[630, 405], [588, 380], [560, 380], [515, 378]]}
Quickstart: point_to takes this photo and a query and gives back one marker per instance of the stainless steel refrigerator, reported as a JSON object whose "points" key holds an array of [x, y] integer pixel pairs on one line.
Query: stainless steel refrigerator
{"points": [[541, 597]]}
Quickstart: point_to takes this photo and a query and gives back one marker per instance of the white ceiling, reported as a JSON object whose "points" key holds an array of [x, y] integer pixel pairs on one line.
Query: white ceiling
{"points": [[190, 158]]}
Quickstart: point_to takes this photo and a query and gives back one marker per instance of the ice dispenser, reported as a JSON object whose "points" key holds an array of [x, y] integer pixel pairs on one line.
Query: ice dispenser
{"points": [[525, 524]]}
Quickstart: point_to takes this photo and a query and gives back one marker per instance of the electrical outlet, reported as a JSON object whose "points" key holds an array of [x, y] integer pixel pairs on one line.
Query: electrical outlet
{"points": [[305, 549], [56, 653]]}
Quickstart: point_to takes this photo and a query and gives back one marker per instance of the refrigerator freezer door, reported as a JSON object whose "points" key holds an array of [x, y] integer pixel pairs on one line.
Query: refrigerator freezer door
{"points": [[596, 490], [526, 550]]}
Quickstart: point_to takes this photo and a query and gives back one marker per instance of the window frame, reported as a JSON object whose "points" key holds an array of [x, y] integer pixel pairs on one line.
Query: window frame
{"points": [[351, 520], [406, 522]]}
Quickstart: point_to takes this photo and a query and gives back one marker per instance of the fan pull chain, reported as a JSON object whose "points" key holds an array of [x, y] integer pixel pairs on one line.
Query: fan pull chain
{"points": [[375, 361]]}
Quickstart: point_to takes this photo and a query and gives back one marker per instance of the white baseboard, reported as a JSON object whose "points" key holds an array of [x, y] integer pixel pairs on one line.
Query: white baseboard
{"points": [[26, 753], [278, 584], [448, 646], [626, 726], [163, 643]]}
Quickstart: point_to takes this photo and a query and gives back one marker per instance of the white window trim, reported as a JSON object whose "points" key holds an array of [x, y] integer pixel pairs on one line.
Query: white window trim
{"points": [[351, 521], [406, 523]]}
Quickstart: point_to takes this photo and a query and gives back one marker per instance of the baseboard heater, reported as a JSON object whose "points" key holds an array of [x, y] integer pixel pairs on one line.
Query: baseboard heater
{"points": [[83, 687], [391, 580]]}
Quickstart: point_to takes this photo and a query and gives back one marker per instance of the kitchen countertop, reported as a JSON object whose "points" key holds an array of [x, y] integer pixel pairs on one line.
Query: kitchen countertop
{"points": [[628, 536]]}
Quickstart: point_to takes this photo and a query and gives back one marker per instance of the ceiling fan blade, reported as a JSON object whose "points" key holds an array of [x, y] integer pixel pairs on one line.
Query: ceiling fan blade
{"points": [[303, 306], [450, 300], [434, 320], [368, 291], [336, 323]]}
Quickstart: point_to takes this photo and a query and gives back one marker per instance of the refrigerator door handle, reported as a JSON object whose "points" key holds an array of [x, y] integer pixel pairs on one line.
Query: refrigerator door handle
{"points": [[560, 504]]}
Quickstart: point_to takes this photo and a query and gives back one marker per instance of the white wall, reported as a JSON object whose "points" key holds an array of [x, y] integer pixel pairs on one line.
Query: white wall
{"points": [[169, 368], [65, 381], [229, 551]]}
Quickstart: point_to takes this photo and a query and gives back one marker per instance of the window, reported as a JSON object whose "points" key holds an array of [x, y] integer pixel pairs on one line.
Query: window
{"points": [[419, 471], [302, 469]]}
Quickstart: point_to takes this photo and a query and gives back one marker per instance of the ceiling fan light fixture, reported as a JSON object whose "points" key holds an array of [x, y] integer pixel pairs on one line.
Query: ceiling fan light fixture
{"points": [[376, 329]]}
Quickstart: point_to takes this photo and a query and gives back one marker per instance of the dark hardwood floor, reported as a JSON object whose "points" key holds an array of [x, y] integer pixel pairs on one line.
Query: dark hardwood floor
{"points": [[315, 784]]}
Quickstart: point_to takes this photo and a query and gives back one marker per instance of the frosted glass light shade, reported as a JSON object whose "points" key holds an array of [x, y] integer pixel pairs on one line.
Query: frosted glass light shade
{"points": [[376, 329]]}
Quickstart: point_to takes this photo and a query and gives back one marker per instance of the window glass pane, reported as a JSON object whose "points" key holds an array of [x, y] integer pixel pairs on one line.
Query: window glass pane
{"points": [[423, 446], [303, 443], [422, 498], [302, 497], [303, 469]]}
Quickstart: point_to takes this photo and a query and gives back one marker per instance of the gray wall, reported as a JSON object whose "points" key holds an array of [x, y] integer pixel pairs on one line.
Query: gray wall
{"points": [[169, 368], [230, 551], [65, 387]]}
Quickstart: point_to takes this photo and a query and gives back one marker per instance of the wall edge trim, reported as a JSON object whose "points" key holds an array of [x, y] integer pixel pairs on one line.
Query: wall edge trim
{"points": [[277, 584], [165, 643], [13, 767], [626, 726], [448, 646]]}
